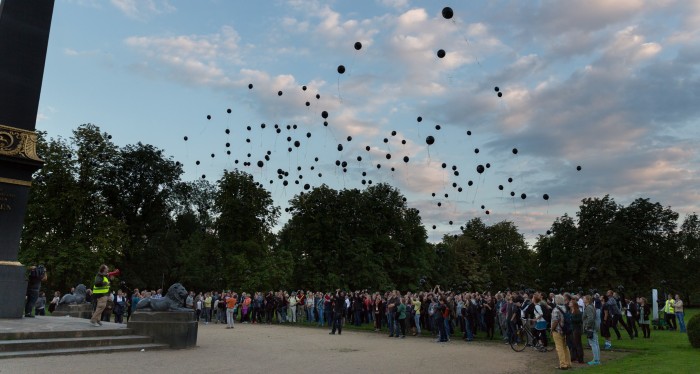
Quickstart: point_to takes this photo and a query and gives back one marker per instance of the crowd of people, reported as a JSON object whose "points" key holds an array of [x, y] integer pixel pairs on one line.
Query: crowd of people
{"points": [[444, 315]]}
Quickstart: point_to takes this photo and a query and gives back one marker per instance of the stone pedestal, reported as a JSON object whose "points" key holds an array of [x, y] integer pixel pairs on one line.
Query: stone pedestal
{"points": [[13, 289], [73, 310], [177, 329]]}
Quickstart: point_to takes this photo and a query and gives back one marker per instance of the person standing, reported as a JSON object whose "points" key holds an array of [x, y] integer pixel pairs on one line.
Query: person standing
{"points": [[231, 303], [119, 307], [100, 292], [401, 315], [292, 313], [632, 313], [576, 330], [590, 327], [680, 315], [37, 274], [40, 305], [644, 313], [669, 313], [338, 312], [54, 301], [207, 308], [558, 321]]}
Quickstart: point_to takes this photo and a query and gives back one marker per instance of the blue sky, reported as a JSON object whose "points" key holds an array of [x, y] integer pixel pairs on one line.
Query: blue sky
{"points": [[612, 86]]}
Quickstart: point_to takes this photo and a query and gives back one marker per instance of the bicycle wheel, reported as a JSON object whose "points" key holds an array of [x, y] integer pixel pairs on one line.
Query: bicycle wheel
{"points": [[520, 342]]}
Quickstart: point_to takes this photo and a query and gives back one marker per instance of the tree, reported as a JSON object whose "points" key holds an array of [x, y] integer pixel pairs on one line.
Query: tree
{"points": [[246, 216]]}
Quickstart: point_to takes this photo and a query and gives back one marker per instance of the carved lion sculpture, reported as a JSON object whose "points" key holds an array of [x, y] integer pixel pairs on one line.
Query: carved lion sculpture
{"points": [[172, 302], [78, 296]]}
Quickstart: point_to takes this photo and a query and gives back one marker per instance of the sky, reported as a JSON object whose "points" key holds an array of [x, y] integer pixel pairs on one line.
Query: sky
{"points": [[610, 86]]}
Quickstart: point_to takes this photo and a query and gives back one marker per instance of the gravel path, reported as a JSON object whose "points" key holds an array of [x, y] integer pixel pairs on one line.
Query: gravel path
{"points": [[286, 349]]}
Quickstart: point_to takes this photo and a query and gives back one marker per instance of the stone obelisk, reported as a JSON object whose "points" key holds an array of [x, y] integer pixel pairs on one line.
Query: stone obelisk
{"points": [[24, 37]]}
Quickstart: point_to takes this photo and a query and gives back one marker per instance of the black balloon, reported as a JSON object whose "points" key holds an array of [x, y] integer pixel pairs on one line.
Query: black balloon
{"points": [[358, 46], [367, 148], [340, 147], [447, 12], [476, 150], [523, 196], [510, 180], [469, 133], [480, 169], [578, 168], [405, 158], [349, 138], [260, 164], [341, 69], [470, 183], [250, 86], [430, 140], [324, 114], [303, 88], [228, 111], [208, 116], [545, 196], [500, 187], [279, 93], [441, 53], [186, 138], [197, 162], [419, 119], [388, 156], [515, 151]]}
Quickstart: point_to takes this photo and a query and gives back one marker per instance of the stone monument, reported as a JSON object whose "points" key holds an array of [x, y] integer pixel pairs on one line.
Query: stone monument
{"points": [[74, 305], [166, 319], [24, 37]]}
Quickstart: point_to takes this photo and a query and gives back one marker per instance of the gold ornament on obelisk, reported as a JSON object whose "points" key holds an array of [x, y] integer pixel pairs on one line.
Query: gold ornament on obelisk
{"points": [[18, 143]]}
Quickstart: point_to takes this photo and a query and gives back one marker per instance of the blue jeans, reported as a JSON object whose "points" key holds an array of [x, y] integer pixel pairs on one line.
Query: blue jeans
{"points": [[680, 316], [358, 317], [390, 322], [417, 319], [327, 317], [468, 333], [309, 314], [595, 348], [320, 318]]}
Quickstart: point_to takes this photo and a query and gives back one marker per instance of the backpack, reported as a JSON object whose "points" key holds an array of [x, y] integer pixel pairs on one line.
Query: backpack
{"points": [[547, 314], [566, 322]]}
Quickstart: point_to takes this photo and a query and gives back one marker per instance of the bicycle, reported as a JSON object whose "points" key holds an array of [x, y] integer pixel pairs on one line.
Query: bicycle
{"points": [[525, 338]]}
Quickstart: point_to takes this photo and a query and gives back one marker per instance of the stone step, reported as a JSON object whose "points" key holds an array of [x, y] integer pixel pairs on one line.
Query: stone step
{"points": [[69, 342], [74, 351], [55, 334]]}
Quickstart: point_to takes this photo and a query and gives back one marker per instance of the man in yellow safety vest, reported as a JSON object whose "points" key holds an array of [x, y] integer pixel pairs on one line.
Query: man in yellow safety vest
{"points": [[669, 315], [100, 292]]}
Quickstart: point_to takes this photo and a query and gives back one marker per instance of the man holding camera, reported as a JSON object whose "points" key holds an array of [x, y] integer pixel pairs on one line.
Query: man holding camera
{"points": [[37, 274]]}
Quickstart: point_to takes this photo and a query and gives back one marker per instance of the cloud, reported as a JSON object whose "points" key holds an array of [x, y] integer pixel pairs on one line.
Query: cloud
{"points": [[143, 9], [191, 59]]}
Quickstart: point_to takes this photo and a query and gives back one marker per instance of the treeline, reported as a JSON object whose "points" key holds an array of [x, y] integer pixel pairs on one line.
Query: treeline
{"points": [[95, 202]]}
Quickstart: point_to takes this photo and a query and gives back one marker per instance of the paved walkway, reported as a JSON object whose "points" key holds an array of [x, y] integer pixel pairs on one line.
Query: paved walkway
{"points": [[286, 349], [45, 324]]}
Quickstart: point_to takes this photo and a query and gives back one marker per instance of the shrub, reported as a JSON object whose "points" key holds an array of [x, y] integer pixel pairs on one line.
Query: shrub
{"points": [[693, 328]]}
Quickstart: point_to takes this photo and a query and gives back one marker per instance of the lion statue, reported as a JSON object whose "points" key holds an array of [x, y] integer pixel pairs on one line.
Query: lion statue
{"points": [[172, 302], [77, 297]]}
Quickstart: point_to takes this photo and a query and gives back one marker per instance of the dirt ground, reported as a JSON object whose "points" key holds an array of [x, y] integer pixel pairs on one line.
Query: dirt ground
{"points": [[287, 349]]}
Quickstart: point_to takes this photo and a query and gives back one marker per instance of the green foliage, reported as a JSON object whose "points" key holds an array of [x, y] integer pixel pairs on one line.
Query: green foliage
{"points": [[94, 202], [355, 239], [693, 328]]}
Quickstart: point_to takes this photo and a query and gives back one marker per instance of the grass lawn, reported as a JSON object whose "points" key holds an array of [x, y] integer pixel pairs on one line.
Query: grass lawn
{"points": [[664, 352]]}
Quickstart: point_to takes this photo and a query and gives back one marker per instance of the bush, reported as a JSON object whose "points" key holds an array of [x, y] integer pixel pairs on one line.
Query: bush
{"points": [[693, 328]]}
